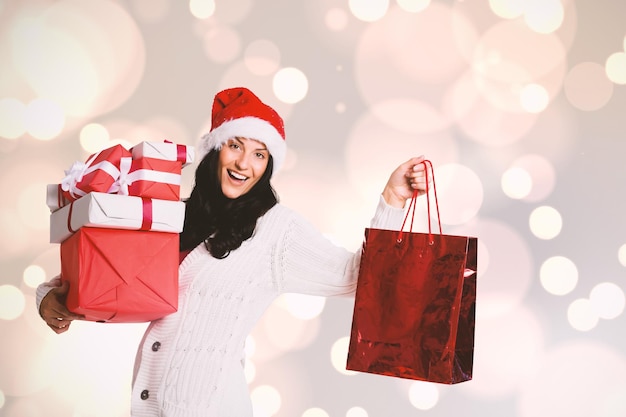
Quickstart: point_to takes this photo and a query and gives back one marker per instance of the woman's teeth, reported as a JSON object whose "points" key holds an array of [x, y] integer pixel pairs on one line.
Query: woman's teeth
{"points": [[237, 176]]}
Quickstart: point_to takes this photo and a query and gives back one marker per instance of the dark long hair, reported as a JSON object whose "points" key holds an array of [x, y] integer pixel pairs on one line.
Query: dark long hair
{"points": [[218, 221]]}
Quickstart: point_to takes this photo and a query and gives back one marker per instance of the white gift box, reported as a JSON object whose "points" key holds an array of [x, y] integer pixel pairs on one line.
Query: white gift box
{"points": [[116, 211], [164, 150]]}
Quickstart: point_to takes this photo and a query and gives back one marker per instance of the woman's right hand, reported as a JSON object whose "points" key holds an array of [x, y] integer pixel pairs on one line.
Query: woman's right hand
{"points": [[54, 312]]}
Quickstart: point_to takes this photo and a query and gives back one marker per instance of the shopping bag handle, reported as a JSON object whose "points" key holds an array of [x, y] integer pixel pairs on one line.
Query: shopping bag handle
{"points": [[413, 204]]}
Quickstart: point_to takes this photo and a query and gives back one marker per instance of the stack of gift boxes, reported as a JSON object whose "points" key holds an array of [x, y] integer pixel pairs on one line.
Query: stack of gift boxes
{"points": [[117, 218]]}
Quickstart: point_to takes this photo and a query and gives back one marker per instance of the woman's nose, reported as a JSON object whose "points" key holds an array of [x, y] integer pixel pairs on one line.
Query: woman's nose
{"points": [[242, 161]]}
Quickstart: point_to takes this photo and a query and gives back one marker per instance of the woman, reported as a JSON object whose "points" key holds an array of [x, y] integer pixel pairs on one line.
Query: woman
{"points": [[240, 250]]}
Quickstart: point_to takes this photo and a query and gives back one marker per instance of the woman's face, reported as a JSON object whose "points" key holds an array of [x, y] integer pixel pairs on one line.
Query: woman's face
{"points": [[242, 163]]}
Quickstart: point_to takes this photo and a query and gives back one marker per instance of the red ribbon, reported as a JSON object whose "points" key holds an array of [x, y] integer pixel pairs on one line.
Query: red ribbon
{"points": [[69, 218], [181, 152], [146, 223]]}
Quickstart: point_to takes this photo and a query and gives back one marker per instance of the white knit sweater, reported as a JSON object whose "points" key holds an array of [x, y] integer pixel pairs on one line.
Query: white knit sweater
{"points": [[189, 364]]}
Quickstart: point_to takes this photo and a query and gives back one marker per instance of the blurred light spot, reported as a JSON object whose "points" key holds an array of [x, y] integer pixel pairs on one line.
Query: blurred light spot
{"points": [[545, 222], [222, 44], [423, 395], [621, 255], [315, 412], [368, 10], [33, 211], [516, 183], [587, 87], [303, 306], [94, 137], [575, 378], [12, 302], [301, 333], [616, 68], [340, 107], [290, 85], [517, 334], [262, 57], [249, 371], [534, 98], [266, 400], [151, 10], [507, 9], [44, 119], [558, 275], [70, 55], [543, 16], [250, 346], [581, 315], [12, 118], [336, 19], [2, 397], [508, 57], [413, 6], [34, 275], [607, 299], [339, 355], [460, 194], [202, 9], [542, 175], [409, 115], [356, 412]]}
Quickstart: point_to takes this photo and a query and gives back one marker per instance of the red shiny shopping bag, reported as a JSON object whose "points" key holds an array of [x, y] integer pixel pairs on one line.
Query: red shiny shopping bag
{"points": [[415, 304]]}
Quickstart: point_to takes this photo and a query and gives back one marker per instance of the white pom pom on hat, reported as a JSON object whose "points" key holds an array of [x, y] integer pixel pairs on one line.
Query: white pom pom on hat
{"points": [[237, 112]]}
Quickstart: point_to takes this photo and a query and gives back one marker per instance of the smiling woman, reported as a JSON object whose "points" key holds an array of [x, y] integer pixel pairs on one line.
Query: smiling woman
{"points": [[240, 250]]}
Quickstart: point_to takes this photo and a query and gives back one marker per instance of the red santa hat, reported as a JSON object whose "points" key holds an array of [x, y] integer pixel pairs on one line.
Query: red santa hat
{"points": [[237, 112]]}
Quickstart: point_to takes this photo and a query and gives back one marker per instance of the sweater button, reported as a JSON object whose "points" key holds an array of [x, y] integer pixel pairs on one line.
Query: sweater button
{"points": [[145, 394], [156, 346]]}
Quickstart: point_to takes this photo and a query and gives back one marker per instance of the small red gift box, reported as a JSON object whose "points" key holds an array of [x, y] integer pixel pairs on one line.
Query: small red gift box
{"points": [[151, 178], [121, 276], [98, 174]]}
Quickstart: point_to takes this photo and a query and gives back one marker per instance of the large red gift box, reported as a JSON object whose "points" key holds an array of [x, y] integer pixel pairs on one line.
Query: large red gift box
{"points": [[121, 276], [98, 174], [152, 178]]}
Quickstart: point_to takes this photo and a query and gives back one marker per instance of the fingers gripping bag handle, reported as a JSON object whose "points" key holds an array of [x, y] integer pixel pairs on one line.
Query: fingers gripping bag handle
{"points": [[413, 205]]}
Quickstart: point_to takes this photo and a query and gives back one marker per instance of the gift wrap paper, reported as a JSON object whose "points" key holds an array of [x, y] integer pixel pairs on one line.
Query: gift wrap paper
{"points": [[116, 212], [165, 150], [121, 276]]}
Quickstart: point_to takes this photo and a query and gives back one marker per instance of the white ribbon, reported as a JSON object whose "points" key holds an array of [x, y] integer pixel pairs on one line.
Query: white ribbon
{"points": [[74, 175], [154, 176], [120, 186]]}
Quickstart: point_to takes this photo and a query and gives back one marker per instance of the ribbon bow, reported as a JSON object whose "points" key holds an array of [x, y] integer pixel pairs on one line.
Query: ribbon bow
{"points": [[120, 186], [73, 176]]}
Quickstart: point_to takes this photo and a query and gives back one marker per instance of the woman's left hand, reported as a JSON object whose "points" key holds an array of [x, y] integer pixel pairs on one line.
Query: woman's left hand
{"points": [[404, 180]]}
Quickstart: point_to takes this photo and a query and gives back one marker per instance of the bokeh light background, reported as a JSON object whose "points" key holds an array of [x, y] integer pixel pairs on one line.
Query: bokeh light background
{"points": [[521, 106]]}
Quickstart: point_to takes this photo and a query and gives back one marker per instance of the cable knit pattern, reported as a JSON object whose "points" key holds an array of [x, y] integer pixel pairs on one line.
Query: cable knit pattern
{"points": [[190, 363]]}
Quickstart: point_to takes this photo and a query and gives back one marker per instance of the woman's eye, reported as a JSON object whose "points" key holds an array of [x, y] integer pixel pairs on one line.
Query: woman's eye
{"points": [[260, 155]]}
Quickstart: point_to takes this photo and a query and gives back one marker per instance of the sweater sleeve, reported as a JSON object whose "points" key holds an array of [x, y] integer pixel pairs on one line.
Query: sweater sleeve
{"points": [[306, 262], [44, 288]]}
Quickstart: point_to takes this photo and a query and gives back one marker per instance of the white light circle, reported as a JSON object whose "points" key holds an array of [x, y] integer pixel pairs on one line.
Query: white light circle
{"points": [[607, 299], [581, 315], [290, 85], [545, 222], [516, 183], [558, 275], [12, 302]]}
